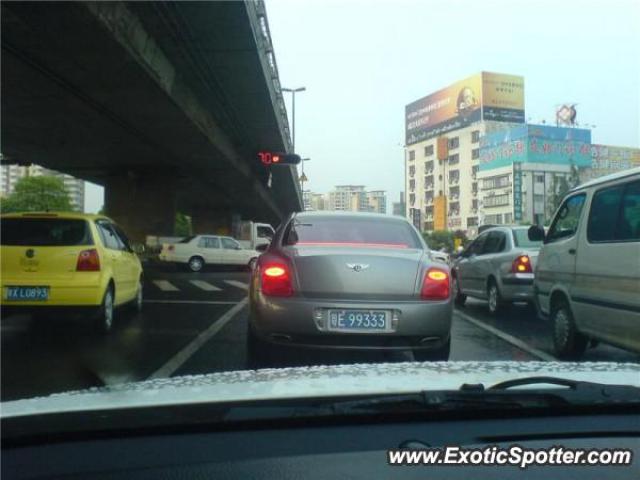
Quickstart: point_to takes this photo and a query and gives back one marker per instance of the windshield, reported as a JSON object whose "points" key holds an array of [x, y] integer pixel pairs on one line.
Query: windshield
{"points": [[521, 239], [44, 232], [251, 187]]}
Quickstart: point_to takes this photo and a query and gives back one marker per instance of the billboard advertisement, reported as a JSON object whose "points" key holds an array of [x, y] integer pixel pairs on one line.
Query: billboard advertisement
{"points": [[440, 213], [492, 96], [453, 107], [502, 97], [536, 144], [607, 159]]}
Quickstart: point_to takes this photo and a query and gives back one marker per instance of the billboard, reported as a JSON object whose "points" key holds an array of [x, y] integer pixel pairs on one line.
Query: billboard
{"points": [[536, 144], [607, 159], [502, 97], [453, 107], [440, 213], [492, 96]]}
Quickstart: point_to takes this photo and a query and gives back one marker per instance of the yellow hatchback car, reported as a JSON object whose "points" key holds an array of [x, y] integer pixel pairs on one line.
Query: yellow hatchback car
{"points": [[61, 260]]}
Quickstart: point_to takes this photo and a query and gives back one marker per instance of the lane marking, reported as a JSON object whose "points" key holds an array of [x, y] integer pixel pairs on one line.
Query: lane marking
{"points": [[183, 355], [166, 286], [516, 342], [205, 285], [203, 302], [235, 283]]}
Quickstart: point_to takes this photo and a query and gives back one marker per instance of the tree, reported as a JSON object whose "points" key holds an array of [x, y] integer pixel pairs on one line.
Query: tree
{"points": [[182, 226], [38, 194], [440, 239], [559, 189]]}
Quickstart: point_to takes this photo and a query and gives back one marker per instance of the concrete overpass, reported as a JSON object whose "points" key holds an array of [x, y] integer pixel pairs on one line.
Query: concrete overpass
{"points": [[165, 104]]}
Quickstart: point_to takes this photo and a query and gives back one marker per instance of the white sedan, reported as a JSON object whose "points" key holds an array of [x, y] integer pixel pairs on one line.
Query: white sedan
{"points": [[201, 250]]}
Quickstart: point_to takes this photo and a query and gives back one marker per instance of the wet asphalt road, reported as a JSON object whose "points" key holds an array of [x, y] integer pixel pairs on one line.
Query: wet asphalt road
{"points": [[186, 328]]}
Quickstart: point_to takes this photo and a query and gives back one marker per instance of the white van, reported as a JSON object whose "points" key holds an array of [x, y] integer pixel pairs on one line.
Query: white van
{"points": [[587, 279]]}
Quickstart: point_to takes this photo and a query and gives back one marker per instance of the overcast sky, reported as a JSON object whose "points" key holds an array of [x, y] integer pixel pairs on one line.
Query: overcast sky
{"points": [[363, 61]]}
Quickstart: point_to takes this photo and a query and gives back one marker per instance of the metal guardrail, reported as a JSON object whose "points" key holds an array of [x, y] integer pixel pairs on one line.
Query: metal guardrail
{"points": [[260, 25]]}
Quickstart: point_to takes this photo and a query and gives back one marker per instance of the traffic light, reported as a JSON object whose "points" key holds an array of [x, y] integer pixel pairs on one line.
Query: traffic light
{"points": [[278, 158]]}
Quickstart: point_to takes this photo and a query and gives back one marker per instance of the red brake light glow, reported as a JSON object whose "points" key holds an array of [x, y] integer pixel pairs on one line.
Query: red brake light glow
{"points": [[276, 280], [435, 285], [522, 264], [88, 261]]}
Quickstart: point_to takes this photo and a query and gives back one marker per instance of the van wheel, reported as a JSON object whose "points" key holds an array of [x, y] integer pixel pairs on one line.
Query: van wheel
{"points": [[496, 304], [196, 264], [569, 343], [105, 315], [459, 297]]}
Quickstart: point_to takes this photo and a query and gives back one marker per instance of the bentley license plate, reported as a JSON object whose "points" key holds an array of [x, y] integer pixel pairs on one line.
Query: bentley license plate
{"points": [[359, 320]]}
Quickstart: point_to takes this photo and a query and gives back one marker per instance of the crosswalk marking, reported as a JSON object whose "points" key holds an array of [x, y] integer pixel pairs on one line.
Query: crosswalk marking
{"points": [[205, 285], [234, 283], [166, 286]]}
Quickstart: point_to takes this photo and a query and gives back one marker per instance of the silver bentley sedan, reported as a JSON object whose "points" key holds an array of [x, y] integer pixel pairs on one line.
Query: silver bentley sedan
{"points": [[349, 281]]}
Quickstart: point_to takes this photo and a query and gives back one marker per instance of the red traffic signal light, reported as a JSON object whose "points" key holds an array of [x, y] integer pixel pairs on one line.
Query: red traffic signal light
{"points": [[277, 158]]}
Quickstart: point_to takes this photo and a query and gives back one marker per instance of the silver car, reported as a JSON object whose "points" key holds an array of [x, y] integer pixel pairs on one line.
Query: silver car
{"points": [[498, 266], [349, 281]]}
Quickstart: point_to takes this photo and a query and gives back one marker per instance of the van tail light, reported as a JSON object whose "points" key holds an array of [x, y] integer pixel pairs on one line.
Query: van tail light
{"points": [[522, 264], [88, 261], [276, 279], [436, 285]]}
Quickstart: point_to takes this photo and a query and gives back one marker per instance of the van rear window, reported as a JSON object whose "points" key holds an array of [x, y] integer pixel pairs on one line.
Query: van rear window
{"points": [[44, 232]]}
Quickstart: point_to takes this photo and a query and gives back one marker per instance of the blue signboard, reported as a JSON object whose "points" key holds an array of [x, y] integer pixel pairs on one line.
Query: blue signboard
{"points": [[536, 144]]}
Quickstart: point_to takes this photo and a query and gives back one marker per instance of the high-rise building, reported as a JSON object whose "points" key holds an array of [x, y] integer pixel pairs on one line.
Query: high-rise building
{"points": [[399, 208], [313, 201], [442, 152], [377, 201], [10, 174], [348, 198]]}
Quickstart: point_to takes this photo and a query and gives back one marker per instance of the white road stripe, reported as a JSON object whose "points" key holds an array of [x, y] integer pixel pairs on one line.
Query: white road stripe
{"points": [[235, 283], [166, 286], [183, 355], [508, 338], [203, 302], [205, 285]]}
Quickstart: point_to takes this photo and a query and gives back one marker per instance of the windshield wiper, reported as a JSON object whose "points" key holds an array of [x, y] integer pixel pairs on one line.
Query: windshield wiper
{"points": [[470, 397]]}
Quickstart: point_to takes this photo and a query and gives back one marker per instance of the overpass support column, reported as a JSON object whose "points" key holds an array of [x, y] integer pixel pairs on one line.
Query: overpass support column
{"points": [[212, 222], [142, 205]]}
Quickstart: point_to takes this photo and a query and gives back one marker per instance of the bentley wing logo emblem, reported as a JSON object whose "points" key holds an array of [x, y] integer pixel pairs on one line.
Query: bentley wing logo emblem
{"points": [[357, 267]]}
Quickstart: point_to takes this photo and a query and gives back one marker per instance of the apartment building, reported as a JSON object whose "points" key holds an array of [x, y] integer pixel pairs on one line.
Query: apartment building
{"points": [[348, 198], [377, 201], [399, 208], [442, 152], [313, 201]]}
